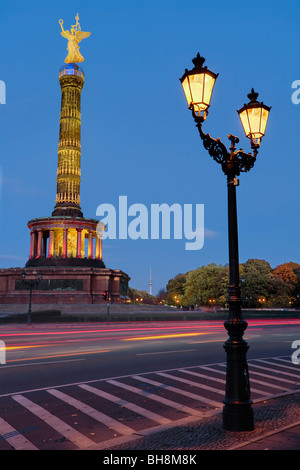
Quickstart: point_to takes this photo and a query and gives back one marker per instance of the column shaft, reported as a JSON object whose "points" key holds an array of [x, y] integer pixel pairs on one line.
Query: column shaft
{"points": [[65, 243], [39, 246], [32, 240], [91, 247], [78, 243], [50, 246]]}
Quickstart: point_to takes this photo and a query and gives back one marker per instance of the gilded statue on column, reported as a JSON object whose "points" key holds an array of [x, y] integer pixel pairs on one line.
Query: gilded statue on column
{"points": [[74, 37]]}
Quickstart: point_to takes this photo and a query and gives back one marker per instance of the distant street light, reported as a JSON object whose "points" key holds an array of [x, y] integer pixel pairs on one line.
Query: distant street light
{"points": [[198, 85], [32, 283], [248, 298]]}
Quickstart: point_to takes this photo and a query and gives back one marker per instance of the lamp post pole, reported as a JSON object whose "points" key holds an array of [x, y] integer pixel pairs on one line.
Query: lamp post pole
{"points": [[31, 283], [237, 411], [30, 300], [107, 306], [198, 85]]}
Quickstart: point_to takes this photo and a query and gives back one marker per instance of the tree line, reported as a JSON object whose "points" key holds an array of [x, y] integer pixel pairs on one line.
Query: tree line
{"points": [[261, 285]]}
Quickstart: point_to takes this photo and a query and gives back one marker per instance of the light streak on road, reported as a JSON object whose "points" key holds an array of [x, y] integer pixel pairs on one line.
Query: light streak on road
{"points": [[58, 340], [105, 330], [60, 355], [213, 324], [145, 338]]}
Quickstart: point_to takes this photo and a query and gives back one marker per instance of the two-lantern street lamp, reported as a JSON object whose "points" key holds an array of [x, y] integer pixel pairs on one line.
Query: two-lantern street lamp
{"points": [[198, 85]]}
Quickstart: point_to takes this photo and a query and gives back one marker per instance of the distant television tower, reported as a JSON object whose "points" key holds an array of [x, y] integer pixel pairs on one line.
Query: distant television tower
{"points": [[150, 284]]}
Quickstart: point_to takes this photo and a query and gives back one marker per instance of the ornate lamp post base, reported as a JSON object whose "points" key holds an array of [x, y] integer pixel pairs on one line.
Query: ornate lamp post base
{"points": [[237, 410], [238, 418]]}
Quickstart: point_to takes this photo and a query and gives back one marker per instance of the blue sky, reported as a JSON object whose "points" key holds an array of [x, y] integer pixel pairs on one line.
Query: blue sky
{"points": [[138, 137]]}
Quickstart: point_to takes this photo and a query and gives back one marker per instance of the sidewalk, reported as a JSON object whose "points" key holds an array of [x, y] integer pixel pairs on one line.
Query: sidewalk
{"points": [[277, 427]]}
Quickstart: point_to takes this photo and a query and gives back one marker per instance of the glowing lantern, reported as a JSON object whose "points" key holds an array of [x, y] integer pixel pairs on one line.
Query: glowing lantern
{"points": [[254, 118], [198, 85]]}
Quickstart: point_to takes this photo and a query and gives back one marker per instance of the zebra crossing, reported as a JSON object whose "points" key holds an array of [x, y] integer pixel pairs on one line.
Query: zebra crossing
{"points": [[101, 413]]}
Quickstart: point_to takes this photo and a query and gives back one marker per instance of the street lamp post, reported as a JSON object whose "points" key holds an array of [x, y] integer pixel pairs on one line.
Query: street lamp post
{"points": [[198, 85], [248, 298], [31, 283]]}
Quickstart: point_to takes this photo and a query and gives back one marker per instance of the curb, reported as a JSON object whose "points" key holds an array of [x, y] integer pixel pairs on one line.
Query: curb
{"points": [[272, 417]]}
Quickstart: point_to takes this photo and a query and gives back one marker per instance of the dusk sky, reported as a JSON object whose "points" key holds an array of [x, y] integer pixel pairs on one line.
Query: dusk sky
{"points": [[138, 136]]}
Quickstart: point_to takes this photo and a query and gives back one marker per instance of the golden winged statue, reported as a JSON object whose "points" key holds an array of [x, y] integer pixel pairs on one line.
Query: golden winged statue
{"points": [[74, 37]]}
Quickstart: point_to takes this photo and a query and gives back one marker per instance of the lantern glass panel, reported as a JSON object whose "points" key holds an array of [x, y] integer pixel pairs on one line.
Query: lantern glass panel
{"points": [[187, 90], [264, 120], [196, 84], [254, 116], [245, 122], [209, 82]]}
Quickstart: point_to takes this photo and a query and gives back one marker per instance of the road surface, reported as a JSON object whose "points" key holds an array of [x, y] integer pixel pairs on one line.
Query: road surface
{"points": [[90, 385]]}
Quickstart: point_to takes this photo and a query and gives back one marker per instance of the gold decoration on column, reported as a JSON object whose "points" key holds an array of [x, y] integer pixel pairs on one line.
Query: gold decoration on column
{"points": [[69, 147], [74, 37]]}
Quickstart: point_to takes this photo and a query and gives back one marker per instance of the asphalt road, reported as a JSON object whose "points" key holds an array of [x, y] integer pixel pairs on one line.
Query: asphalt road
{"points": [[40, 356], [97, 385]]}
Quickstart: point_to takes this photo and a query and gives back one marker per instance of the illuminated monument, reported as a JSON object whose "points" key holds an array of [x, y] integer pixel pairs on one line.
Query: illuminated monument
{"points": [[60, 240], [67, 247]]}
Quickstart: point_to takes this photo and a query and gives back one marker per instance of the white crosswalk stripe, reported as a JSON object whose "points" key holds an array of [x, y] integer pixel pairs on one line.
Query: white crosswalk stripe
{"points": [[282, 372], [153, 398], [190, 382], [14, 438], [208, 401], [224, 381], [260, 382], [131, 406], [268, 369], [72, 434], [259, 392], [95, 414], [268, 376], [288, 361]]}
